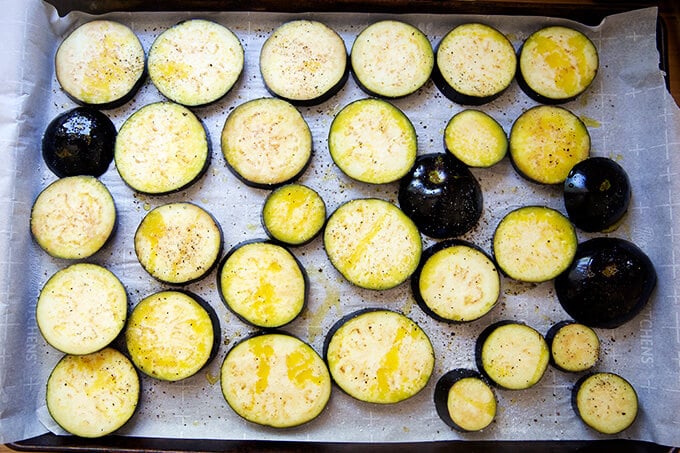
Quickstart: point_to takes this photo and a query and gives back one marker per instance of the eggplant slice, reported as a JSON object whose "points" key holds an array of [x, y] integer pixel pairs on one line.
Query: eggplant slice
{"points": [[101, 63], [391, 59], [93, 395], [464, 400], [172, 335], [379, 356], [294, 214], [372, 243], [195, 62], [557, 64], [606, 402], [162, 148], [178, 243], [274, 379], [73, 217], [304, 62]]}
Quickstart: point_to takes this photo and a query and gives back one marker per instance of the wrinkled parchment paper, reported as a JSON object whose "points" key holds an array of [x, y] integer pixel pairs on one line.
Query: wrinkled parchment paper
{"points": [[629, 114]]}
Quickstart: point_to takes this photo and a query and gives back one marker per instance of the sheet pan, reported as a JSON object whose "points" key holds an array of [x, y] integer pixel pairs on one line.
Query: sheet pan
{"points": [[630, 116]]}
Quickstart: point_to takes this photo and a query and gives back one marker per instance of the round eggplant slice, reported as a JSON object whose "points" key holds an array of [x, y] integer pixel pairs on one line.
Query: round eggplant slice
{"points": [[373, 141], [391, 59], [294, 214], [79, 142], [573, 347], [534, 244], [597, 193], [464, 401], [475, 64], [172, 335], [196, 62], [263, 284], [304, 62], [81, 309], [475, 138], [546, 142], [609, 282], [512, 355], [93, 395], [556, 64], [178, 243], [606, 402], [372, 243], [441, 196], [456, 282], [73, 217], [275, 379], [101, 63], [162, 148], [266, 143], [379, 356]]}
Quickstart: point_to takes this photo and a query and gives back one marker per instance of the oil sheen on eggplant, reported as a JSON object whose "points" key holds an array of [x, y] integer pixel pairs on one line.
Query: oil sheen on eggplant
{"points": [[79, 142], [441, 196], [608, 283], [597, 194]]}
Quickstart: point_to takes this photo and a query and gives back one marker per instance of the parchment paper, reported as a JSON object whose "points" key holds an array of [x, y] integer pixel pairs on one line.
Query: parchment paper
{"points": [[629, 114]]}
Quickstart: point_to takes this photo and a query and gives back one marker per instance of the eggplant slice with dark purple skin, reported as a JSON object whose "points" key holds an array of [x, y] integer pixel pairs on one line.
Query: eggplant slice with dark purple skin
{"points": [[464, 400], [606, 402], [597, 194], [608, 283], [79, 142], [574, 347], [441, 196]]}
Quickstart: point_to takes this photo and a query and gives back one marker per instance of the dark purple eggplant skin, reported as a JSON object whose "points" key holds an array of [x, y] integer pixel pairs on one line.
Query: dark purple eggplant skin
{"points": [[441, 195], [441, 393], [609, 282], [597, 193], [79, 142]]}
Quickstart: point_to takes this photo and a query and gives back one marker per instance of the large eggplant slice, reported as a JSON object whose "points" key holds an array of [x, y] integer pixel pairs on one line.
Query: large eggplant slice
{"points": [[608, 283]]}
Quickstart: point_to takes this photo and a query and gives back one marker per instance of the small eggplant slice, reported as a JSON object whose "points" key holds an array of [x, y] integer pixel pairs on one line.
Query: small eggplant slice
{"points": [[475, 64], [304, 62], [556, 64], [597, 193], [546, 142], [262, 283], [73, 217], [79, 142], [606, 402], [172, 335], [609, 282], [464, 400], [372, 243], [512, 355], [274, 379], [534, 244], [101, 63], [475, 138], [391, 59], [574, 347], [293, 214], [379, 356], [456, 281], [441, 196], [93, 395]]}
